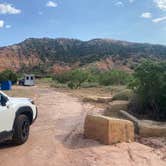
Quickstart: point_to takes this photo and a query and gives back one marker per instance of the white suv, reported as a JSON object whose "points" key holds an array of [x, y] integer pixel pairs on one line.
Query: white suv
{"points": [[16, 116]]}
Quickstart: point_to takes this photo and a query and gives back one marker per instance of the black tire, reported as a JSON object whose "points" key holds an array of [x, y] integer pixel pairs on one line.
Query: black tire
{"points": [[21, 129]]}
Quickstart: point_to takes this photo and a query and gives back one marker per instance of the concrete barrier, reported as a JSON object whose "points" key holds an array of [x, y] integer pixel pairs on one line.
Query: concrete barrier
{"points": [[152, 129], [108, 130], [118, 105], [146, 128], [130, 117], [97, 99]]}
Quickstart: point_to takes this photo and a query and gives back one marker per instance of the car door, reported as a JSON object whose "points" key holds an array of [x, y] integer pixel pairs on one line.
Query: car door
{"points": [[6, 115]]}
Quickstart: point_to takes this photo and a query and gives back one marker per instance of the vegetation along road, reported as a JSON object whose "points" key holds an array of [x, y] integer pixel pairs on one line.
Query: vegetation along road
{"points": [[56, 139]]}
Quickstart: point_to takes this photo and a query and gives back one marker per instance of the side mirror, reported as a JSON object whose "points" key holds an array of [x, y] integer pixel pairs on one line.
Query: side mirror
{"points": [[8, 103]]}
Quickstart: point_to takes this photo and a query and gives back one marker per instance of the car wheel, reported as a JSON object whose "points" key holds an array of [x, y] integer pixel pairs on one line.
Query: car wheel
{"points": [[21, 129]]}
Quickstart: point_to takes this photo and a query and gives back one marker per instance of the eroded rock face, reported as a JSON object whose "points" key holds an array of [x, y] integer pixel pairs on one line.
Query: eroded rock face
{"points": [[102, 54], [108, 130], [11, 58], [57, 68]]}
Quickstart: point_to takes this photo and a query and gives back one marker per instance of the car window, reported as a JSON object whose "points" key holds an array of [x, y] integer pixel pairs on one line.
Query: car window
{"points": [[31, 78], [3, 100], [27, 78]]}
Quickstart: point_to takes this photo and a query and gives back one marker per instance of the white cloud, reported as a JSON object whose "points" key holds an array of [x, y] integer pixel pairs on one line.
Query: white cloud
{"points": [[51, 4], [146, 15], [161, 4], [131, 1], [157, 20], [119, 3], [1, 23], [8, 26], [8, 9]]}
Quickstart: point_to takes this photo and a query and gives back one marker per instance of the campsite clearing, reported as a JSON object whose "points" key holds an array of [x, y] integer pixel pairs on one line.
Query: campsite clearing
{"points": [[56, 139]]}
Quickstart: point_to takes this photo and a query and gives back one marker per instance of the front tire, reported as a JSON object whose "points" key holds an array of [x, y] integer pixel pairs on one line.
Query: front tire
{"points": [[21, 129]]}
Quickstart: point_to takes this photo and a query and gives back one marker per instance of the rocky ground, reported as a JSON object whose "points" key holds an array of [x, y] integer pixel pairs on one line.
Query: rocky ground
{"points": [[56, 138]]}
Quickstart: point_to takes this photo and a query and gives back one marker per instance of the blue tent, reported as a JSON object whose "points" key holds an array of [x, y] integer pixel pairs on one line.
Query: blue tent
{"points": [[6, 85]]}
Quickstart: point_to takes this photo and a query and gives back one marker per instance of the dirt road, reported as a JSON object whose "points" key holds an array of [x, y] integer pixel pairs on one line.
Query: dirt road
{"points": [[56, 139]]}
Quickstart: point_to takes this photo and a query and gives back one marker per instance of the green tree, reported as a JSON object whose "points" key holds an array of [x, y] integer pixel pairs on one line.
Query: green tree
{"points": [[77, 78], [150, 86]]}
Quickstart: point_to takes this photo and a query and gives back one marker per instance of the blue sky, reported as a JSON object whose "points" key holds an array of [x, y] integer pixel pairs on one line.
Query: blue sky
{"points": [[132, 20]]}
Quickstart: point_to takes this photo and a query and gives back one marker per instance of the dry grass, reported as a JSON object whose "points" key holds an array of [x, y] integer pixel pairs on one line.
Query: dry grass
{"points": [[95, 91], [21, 91]]}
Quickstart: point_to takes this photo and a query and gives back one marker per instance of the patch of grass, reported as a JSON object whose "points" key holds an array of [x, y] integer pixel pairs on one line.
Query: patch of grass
{"points": [[44, 80], [115, 89], [123, 95], [59, 85], [89, 84]]}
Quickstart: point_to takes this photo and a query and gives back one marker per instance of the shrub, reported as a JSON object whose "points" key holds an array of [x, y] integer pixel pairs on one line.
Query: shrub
{"points": [[76, 78], [8, 75], [114, 77], [150, 86], [63, 77], [71, 85], [73, 78]]}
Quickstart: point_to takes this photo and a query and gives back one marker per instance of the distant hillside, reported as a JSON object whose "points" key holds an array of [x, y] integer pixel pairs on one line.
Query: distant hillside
{"points": [[56, 55]]}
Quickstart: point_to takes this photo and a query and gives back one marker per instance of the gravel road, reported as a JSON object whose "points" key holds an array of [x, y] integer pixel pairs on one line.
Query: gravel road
{"points": [[56, 139]]}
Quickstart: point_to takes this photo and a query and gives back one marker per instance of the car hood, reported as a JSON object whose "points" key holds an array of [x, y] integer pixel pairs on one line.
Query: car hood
{"points": [[20, 100]]}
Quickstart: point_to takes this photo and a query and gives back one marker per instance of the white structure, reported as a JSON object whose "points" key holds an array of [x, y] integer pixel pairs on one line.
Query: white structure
{"points": [[29, 79]]}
